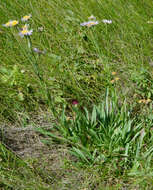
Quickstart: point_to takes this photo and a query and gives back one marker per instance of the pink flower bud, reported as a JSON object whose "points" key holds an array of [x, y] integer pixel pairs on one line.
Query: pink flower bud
{"points": [[74, 102]]}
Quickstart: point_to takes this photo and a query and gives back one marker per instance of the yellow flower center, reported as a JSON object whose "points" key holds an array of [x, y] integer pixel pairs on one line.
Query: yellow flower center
{"points": [[26, 17], [14, 22], [24, 31], [90, 24]]}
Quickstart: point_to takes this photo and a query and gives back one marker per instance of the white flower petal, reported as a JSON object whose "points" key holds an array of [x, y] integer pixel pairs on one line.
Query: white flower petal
{"points": [[107, 21]]}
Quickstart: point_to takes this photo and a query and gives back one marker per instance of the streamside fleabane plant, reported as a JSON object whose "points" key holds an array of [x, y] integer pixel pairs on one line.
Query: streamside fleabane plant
{"points": [[25, 31], [26, 17], [11, 23], [89, 23]]}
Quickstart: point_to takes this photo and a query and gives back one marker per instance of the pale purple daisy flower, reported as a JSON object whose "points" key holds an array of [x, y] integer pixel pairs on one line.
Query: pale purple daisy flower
{"points": [[89, 23], [25, 31]]}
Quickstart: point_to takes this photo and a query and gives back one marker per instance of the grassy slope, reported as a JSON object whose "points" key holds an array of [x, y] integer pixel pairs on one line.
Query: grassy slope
{"points": [[79, 61]]}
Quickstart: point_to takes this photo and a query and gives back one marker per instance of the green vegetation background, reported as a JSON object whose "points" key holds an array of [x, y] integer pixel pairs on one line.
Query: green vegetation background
{"points": [[78, 62]]}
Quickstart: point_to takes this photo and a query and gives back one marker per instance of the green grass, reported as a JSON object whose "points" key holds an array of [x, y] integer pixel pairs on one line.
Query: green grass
{"points": [[77, 64], [17, 174], [108, 136]]}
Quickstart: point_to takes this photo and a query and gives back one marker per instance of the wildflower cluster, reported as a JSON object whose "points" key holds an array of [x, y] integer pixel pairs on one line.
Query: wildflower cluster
{"points": [[92, 21], [24, 29]]}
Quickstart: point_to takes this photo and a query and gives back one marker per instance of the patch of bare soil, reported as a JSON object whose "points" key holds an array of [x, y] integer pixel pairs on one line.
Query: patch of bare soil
{"points": [[25, 141], [48, 160]]}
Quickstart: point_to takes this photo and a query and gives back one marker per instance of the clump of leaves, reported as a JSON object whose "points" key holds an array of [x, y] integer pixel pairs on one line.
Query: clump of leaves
{"points": [[107, 134]]}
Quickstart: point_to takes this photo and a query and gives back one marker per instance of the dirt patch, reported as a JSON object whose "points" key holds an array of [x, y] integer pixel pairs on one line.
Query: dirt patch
{"points": [[47, 160], [23, 138], [27, 143]]}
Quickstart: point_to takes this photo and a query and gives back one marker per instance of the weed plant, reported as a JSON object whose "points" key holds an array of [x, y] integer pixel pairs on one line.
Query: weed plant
{"points": [[107, 134], [16, 173]]}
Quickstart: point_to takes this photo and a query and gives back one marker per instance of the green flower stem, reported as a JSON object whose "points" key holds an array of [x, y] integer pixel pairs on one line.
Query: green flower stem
{"points": [[41, 79]]}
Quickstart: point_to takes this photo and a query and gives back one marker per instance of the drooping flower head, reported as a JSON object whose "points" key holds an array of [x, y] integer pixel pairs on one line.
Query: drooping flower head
{"points": [[11, 23], [107, 21], [26, 17], [89, 23], [92, 17]]}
